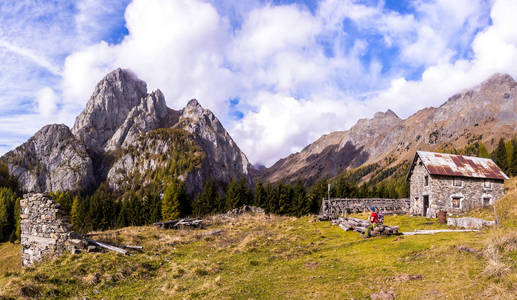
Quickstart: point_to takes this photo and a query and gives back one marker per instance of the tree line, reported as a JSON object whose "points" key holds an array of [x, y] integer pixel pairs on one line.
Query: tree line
{"points": [[104, 209]]}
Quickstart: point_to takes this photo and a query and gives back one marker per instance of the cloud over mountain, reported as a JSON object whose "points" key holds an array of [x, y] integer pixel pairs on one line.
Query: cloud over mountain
{"points": [[279, 75]]}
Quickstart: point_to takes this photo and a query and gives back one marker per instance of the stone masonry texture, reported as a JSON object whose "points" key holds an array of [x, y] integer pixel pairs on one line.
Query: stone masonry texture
{"points": [[441, 191], [45, 229]]}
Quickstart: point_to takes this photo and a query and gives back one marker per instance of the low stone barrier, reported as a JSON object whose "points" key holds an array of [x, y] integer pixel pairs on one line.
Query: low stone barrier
{"points": [[45, 229], [468, 222], [336, 206]]}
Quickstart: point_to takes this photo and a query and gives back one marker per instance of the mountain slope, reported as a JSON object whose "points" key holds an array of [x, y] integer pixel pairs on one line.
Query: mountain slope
{"points": [[483, 113], [125, 134], [53, 159]]}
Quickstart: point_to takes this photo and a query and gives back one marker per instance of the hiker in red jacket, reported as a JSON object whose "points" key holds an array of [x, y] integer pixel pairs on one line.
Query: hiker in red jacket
{"points": [[374, 221]]}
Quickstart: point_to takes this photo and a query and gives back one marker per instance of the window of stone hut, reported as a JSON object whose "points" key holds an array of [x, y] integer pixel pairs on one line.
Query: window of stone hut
{"points": [[457, 181], [487, 184], [456, 202], [426, 180]]}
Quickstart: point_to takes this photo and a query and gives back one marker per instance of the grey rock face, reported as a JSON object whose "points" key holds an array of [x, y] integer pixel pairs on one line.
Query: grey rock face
{"points": [[219, 146], [119, 130], [114, 97], [53, 159], [151, 113], [143, 150]]}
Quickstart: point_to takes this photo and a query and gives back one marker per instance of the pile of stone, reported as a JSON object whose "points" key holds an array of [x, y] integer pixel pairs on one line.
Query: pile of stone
{"points": [[360, 226], [242, 210], [180, 223], [45, 230]]}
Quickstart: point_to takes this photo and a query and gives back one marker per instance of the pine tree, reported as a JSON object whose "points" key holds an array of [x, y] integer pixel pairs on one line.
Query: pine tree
{"points": [[245, 192], [17, 211], [79, 214], [285, 198], [7, 180], [271, 199], [172, 199], [122, 219], [260, 197], [206, 201], [301, 204], [318, 192], [482, 151], [509, 153], [7, 220], [513, 166], [499, 156]]}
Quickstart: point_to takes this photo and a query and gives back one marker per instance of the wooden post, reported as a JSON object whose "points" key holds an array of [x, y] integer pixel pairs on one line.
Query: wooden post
{"points": [[495, 215]]}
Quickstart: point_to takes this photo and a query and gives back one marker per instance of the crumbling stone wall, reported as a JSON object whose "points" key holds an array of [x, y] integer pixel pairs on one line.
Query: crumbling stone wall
{"points": [[45, 229], [337, 206]]}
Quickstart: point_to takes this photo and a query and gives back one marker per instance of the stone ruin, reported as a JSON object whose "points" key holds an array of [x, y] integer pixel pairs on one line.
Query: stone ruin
{"points": [[45, 230], [334, 207]]}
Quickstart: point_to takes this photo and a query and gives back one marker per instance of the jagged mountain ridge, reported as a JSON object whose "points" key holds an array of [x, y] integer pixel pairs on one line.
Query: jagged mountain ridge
{"points": [[484, 113], [109, 139]]}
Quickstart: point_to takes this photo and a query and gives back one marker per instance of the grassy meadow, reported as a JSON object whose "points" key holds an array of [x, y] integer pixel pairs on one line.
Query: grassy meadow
{"points": [[276, 257]]}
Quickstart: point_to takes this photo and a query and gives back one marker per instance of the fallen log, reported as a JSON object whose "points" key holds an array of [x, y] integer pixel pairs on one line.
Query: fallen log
{"points": [[139, 248], [359, 225], [106, 246]]}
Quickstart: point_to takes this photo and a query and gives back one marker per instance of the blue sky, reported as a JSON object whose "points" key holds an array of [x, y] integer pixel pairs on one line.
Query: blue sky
{"points": [[278, 74]]}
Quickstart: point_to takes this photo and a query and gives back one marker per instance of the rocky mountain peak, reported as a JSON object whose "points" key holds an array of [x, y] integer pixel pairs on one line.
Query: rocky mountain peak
{"points": [[194, 110], [389, 114], [113, 98], [499, 79], [53, 159]]}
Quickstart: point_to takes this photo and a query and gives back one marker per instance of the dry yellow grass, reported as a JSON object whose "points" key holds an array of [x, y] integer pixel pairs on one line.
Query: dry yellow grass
{"points": [[271, 257]]}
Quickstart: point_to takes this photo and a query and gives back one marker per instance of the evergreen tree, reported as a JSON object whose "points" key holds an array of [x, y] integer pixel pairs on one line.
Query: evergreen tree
{"points": [[247, 196], [318, 192], [17, 211], [301, 204], [509, 153], [206, 201], [271, 199], [232, 195], [499, 156], [513, 165], [174, 200], [7, 220], [285, 198], [123, 216], [482, 151], [64, 199], [79, 214], [238, 194], [260, 198], [6, 180]]}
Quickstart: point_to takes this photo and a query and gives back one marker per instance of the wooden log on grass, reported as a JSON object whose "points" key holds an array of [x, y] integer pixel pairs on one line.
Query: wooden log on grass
{"points": [[106, 246], [359, 225]]}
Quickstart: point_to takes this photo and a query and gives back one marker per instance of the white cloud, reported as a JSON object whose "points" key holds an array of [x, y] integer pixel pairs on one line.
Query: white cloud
{"points": [[176, 46], [38, 59], [47, 101], [275, 61]]}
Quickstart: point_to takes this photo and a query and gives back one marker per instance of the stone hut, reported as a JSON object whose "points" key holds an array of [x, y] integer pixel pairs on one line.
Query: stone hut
{"points": [[453, 183]]}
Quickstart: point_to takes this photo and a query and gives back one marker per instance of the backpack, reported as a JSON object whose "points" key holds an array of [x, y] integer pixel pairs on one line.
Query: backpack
{"points": [[380, 215]]}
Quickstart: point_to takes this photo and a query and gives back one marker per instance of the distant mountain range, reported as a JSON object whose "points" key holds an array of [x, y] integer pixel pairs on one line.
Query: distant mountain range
{"points": [[127, 137], [483, 113]]}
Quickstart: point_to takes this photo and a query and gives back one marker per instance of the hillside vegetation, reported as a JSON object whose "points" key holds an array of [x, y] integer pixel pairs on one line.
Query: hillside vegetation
{"points": [[264, 257]]}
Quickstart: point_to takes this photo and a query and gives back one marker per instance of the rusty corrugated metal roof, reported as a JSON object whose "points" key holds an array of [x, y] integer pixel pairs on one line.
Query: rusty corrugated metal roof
{"points": [[459, 165]]}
